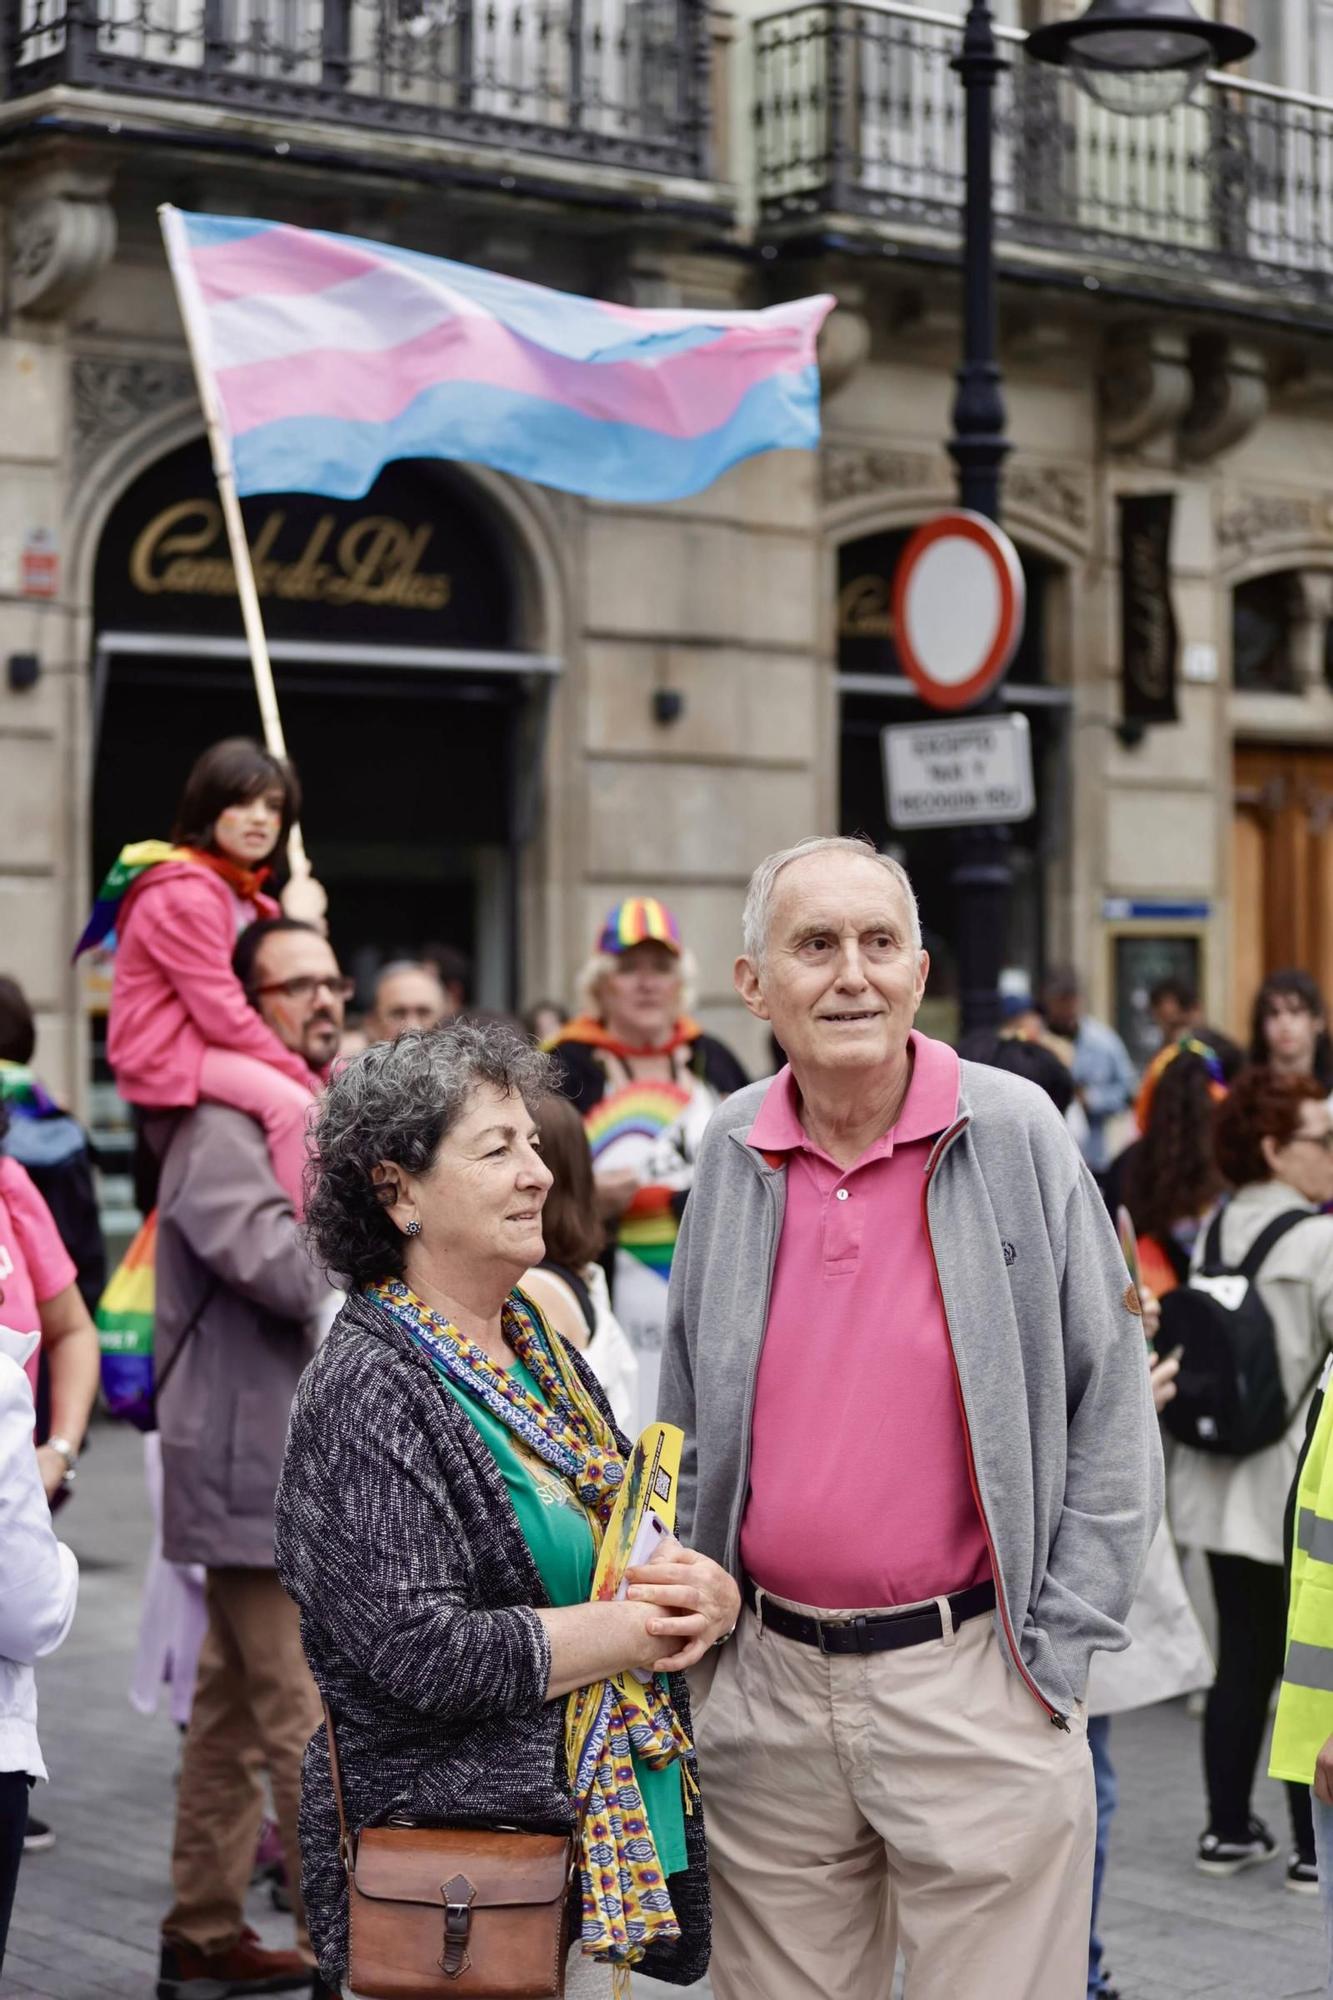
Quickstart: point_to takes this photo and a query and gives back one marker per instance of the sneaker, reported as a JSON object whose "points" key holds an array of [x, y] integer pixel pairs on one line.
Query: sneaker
{"points": [[186, 1974], [39, 1838], [1303, 1876], [1217, 1856]]}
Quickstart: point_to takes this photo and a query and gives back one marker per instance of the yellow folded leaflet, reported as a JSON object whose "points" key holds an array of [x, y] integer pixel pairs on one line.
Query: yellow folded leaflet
{"points": [[652, 1480]]}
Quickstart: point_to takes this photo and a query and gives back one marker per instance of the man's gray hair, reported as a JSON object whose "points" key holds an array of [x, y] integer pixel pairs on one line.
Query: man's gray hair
{"points": [[395, 1102], [759, 896]]}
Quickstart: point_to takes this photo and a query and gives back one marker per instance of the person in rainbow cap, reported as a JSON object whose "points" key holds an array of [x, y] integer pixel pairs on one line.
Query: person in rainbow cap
{"points": [[646, 1080]]}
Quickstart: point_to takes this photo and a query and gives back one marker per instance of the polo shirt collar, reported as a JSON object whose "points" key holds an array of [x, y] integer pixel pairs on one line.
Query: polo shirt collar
{"points": [[930, 1107]]}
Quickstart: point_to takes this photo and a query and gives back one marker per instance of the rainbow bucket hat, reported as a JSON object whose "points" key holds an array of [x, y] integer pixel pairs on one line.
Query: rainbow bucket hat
{"points": [[639, 920]]}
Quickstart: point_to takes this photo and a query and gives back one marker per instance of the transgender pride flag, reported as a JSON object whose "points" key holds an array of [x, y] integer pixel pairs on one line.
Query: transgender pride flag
{"points": [[328, 356]]}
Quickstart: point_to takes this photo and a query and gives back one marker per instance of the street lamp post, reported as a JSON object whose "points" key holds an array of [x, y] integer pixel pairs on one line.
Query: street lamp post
{"points": [[1132, 56], [982, 877]]}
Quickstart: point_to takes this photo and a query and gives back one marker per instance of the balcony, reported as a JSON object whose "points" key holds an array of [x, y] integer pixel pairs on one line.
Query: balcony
{"points": [[859, 116], [616, 83]]}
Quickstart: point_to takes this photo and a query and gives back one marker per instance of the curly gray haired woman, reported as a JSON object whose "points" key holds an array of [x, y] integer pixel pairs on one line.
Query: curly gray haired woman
{"points": [[451, 1466], [391, 1107]]}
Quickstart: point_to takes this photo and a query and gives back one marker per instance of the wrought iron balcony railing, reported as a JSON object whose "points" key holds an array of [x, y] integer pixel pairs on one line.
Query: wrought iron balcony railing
{"points": [[857, 114], [620, 82]]}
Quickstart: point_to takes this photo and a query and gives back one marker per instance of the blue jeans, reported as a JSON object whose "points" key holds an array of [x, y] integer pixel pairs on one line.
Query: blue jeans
{"points": [[1099, 1742], [1323, 1847]]}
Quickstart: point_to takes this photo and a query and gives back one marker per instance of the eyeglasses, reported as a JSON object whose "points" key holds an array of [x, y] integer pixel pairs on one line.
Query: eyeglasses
{"points": [[306, 987], [1324, 1139]]}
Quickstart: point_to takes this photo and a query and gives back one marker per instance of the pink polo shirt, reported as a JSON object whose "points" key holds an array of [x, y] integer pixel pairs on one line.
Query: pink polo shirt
{"points": [[860, 1495], [34, 1263]]}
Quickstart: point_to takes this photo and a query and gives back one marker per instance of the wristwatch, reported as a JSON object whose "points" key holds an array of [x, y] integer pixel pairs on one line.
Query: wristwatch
{"points": [[69, 1453]]}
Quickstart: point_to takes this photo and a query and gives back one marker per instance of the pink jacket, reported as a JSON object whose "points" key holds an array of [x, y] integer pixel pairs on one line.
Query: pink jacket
{"points": [[175, 994]]}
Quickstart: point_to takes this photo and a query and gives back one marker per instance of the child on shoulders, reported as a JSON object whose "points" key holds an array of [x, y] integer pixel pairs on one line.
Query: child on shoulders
{"points": [[181, 1027]]}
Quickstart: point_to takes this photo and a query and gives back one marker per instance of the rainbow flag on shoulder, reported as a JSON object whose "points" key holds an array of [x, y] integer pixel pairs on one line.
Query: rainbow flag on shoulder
{"points": [[125, 870], [328, 356], [125, 1332]]}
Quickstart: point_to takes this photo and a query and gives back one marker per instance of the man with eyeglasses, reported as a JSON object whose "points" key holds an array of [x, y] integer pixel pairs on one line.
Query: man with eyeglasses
{"points": [[236, 1322]]}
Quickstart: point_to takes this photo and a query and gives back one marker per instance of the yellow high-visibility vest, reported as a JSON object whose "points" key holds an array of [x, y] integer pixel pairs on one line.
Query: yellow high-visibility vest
{"points": [[1305, 1703]]}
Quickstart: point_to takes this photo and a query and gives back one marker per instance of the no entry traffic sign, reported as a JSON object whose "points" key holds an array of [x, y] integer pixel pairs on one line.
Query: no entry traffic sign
{"points": [[958, 603]]}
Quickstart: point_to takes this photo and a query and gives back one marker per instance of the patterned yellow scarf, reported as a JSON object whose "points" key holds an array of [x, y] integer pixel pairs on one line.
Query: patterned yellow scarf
{"points": [[626, 1900]]}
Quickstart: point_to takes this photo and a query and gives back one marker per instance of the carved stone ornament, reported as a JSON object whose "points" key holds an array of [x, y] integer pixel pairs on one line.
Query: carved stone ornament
{"points": [[112, 395], [58, 242], [1230, 398], [849, 471], [1052, 491], [1146, 385], [1262, 521]]}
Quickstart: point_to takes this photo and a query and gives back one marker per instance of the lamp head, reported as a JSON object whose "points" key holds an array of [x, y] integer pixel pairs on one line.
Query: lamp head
{"points": [[1139, 56]]}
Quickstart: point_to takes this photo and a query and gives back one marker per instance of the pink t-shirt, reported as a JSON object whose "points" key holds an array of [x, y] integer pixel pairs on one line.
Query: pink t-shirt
{"points": [[860, 1494], [34, 1263]]}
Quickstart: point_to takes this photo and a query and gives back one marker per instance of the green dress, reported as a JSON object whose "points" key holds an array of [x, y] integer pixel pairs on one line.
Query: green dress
{"points": [[559, 1536]]}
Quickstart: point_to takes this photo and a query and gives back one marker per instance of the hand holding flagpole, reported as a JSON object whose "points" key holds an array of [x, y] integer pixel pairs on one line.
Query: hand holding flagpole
{"points": [[303, 897]]}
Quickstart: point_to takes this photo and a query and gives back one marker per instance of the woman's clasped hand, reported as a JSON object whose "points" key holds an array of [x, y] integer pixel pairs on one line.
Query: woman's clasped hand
{"points": [[692, 1604]]}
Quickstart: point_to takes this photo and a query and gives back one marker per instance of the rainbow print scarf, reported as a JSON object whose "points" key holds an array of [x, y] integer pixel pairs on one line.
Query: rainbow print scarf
{"points": [[135, 860], [626, 1901], [125, 870]]}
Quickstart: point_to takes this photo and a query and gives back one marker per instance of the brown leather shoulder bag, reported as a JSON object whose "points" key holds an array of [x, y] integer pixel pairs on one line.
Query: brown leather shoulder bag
{"points": [[477, 1912]]}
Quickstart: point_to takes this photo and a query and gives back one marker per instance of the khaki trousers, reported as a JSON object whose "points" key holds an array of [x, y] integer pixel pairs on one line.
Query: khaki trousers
{"points": [[255, 1706], [920, 1798]]}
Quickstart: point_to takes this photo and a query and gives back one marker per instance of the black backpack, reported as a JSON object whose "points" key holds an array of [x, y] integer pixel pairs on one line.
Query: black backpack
{"points": [[1229, 1398]]}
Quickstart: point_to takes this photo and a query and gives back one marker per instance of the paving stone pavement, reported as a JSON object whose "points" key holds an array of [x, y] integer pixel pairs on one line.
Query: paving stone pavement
{"points": [[86, 1918]]}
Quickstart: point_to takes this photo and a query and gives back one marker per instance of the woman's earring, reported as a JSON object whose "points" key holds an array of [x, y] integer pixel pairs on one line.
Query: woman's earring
{"points": [[413, 1228]]}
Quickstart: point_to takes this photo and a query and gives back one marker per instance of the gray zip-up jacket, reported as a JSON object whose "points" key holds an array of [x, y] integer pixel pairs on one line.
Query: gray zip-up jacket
{"points": [[1047, 1342]]}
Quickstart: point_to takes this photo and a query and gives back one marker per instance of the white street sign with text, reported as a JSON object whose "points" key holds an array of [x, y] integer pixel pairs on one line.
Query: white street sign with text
{"points": [[959, 773]]}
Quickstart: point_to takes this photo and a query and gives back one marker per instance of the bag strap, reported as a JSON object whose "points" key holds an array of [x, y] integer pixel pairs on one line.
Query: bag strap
{"points": [[345, 1838], [335, 1772], [1212, 1243], [1266, 1238], [210, 1289]]}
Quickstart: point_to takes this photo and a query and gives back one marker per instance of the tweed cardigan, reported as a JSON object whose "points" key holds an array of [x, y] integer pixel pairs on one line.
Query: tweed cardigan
{"points": [[397, 1541]]}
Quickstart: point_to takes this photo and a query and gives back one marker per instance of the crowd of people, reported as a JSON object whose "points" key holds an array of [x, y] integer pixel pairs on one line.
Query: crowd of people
{"points": [[424, 1273]]}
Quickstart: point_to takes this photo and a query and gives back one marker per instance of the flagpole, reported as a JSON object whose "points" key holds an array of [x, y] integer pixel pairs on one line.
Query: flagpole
{"points": [[313, 900]]}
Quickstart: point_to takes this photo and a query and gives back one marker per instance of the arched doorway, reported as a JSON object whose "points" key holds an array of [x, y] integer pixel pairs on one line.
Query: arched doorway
{"points": [[1282, 810], [874, 692], [410, 706]]}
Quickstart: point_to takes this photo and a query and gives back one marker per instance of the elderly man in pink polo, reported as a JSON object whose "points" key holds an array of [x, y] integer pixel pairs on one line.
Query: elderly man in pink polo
{"points": [[910, 1368]]}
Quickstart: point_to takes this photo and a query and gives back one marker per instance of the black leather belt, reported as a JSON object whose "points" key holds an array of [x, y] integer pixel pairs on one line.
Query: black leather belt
{"points": [[884, 1634]]}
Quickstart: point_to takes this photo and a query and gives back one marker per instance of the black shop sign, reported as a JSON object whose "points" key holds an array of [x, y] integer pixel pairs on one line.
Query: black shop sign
{"points": [[416, 562], [1149, 639]]}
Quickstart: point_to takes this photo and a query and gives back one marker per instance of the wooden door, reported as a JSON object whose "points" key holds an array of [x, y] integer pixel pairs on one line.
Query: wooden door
{"points": [[1281, 870]]}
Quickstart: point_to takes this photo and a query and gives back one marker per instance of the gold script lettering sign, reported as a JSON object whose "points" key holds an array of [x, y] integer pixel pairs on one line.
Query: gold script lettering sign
{"points": [[865, 608], [374, 560]]}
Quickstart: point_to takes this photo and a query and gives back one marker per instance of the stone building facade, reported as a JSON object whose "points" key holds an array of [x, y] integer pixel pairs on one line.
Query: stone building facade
{"points": [[512, 707]]}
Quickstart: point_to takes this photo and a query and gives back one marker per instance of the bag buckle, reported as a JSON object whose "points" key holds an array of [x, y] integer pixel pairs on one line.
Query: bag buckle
{"points": [[459, 1895]]}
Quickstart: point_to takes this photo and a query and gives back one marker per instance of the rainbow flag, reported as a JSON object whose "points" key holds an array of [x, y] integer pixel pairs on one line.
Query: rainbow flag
{"points": [[328, 356], [627, 1123], [124, 872], [125, 1332]]}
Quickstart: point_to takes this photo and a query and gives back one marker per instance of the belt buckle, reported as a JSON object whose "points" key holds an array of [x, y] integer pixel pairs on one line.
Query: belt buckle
{"points": [[857, 1625]]}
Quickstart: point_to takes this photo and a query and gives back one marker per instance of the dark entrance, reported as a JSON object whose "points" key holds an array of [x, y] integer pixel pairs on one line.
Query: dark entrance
{"points": [[876, 692], [408, 706]]}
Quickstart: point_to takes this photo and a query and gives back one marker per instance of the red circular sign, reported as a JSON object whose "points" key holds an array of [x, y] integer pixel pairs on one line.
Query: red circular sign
{"points": [[958, 603]]}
